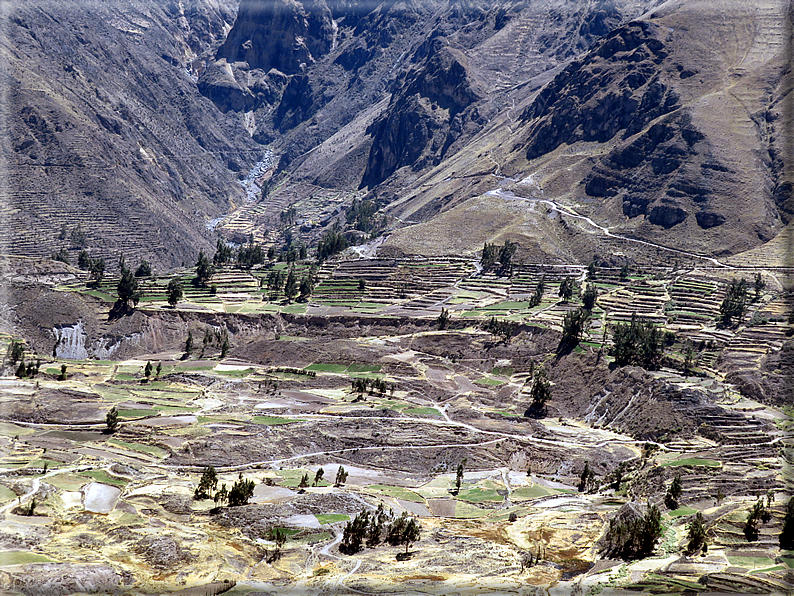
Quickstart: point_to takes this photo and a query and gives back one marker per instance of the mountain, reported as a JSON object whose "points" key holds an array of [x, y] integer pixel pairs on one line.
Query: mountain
{"points": [[107, 129], [662, 121]]}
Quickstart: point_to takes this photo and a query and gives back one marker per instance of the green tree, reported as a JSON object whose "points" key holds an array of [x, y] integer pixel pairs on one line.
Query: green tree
{"points": [[758, 286], [291, 285], [204, 270], [673, 493], [62, 376], [403, 530], [189, 343], [341, 476], [787, 534], [144, 269], [174, 291], [241, 491], [62, 256], [734, 303], [586, 479], [318, 476], [459, 475], [207, 485], [96, 270], [304, 481], [112, 420], [443, 319], [624, 272], [223, 253], [637, 342], [147, 370], [696, 535], [573, 325], [634, 538], [83, 260], [567, 286], [332, 242], [78, 237], [540, 393], [127, 287], [354, 533], [589, 296], [306, 288]]}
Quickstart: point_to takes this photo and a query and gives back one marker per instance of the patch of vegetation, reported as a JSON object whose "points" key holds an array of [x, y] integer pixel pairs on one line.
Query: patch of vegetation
{"points": [[331, 518], [104, 478], [274, 420], [397, 492], [693, 461]]}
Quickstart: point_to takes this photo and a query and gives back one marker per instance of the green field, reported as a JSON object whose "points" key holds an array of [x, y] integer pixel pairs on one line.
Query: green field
{"points": [[330, 518], [693, 461], [21, 557], [274, 420], [397, 492]]}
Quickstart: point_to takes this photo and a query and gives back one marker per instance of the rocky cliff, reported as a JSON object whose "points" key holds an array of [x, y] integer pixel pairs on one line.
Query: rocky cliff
{"points": [[107, 131]]}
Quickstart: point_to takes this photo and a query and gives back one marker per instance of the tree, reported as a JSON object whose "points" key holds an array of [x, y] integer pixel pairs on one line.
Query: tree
{"points": [[573, 325], [758, 286], [341, 476], [207, 485], [734, 303], [637, 342], [624, 272], [673, 493], [144, 269], [78, 237], [221, 496], [304, 481], [635, 537], [291, 285], [204, 270], [147, 370], [506, 253], [127, 287], [223, 253], [241, 491], [189, 343], [443, 319], [787, 534], [696, 535], [566, 289], [488, 257], [158, 370], [403, 530], [174, 291], [83, 260], [62, 256], [306, 288], [225, 346], [96, 270], [16, 351], [586, 479], [759, 513], [459, 475], [589, 296], [112, 420], [318, 476], [354, 533], [62, 376], [540, 393], [332, 242]]}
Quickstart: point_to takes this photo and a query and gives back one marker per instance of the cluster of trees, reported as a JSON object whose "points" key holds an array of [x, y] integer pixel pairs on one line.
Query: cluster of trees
{"points": [[503, 329], [376, 386], [498, 258], [735, 301], [127, 288], [242, 490], [28, 370], [696, 535], [635, 538], [587, 479], [373, 528], [760, 513], [278, 281], [638, 342], [212, 336], [442, 322], [331, 243], [573, 326], [361, 216], [567, 288]]}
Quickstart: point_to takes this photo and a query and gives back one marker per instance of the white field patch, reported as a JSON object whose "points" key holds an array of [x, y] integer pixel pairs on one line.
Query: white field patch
{"points": [[100, 498], [72, 499]]}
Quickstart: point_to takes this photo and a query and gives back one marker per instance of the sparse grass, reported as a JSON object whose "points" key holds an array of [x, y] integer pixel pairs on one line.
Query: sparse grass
{"points": [[6, 494], [526, 493], [422, 411], [150, 449], [489, 382]]}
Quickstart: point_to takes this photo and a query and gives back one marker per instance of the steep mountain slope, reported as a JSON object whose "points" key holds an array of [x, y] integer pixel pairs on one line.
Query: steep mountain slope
{"points": [[672, 129], [106, 129]]}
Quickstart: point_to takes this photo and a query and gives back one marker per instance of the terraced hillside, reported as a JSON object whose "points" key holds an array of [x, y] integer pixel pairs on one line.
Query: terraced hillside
{"points": [[362, 377]]}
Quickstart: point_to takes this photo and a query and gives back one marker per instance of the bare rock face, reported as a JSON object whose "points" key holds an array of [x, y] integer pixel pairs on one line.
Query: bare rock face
{"points": [[614, 89], [288, 35], [60, 579], [425, 117]]}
